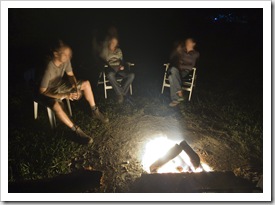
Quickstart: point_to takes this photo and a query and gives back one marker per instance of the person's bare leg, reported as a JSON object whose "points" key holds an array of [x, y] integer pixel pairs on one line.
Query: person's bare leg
{"points": [[88, 93], [180, 93], [61, 115]]}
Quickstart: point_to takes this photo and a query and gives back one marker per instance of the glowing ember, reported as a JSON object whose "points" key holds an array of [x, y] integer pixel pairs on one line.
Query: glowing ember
{"points": [[158, 147]]}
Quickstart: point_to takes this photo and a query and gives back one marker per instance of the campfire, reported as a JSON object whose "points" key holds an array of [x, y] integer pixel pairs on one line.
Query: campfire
{"points": [[163, 155]]}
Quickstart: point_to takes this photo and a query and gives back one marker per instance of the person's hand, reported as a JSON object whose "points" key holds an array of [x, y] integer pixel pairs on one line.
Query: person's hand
{"points": [[79, 94], [121, 68], [64, 96], [74, 95]]}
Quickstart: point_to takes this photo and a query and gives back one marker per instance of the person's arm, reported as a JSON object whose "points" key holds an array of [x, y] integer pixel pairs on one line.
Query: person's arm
{"points": [[72, 79], [43, 91], [174, 60], [76, 93], [44, 86], [194, 59], [122, 63], [103, 55]]}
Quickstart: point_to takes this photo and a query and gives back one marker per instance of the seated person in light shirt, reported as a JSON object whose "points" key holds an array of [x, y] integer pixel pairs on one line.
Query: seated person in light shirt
{"points": [[54, 88], [113, 57]]}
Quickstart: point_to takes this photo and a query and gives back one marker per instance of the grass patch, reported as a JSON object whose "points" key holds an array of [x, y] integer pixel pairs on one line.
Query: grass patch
{"points": [[37, 152]]}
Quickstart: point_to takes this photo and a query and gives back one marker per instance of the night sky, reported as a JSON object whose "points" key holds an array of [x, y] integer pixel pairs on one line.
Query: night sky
{"points": [[229, 41]]}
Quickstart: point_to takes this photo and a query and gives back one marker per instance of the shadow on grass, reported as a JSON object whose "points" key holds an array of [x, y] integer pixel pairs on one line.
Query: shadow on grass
{"points": [[75, 182], [204, 182]]}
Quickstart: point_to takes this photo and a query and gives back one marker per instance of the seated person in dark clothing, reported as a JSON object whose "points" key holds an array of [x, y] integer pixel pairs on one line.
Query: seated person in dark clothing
{"points": [[54, 88], [182, 60], [113, 57]]}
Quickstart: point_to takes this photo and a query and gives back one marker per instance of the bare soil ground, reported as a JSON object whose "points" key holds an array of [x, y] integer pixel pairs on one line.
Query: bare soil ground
{"points": [[119, 145]]}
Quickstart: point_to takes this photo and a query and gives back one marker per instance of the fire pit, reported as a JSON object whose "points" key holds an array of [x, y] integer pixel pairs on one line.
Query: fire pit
{"points": [[166, 156], [174, 167]]}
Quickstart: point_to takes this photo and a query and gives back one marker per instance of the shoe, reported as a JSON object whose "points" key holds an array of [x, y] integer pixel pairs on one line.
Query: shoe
{"points": [[82, 135], [98, 115], [120, 99], [174, 103]]}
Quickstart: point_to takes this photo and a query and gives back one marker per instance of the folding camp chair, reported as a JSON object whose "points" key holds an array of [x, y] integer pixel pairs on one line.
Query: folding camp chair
{"points": [[188, 83], [102, 79], [51, 114]]}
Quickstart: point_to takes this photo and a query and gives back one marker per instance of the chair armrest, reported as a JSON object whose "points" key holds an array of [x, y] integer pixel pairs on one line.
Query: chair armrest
{"points": [[127, 63], [130, 64]]}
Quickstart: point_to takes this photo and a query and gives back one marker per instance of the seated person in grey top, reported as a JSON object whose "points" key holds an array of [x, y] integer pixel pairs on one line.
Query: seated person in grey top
{"points": [[53, 89], [182, 60], [113, 57]]}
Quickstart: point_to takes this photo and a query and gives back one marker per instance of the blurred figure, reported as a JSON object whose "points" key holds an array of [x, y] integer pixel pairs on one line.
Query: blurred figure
{"points": [[113, 57], [53, 89], [183, 58], [99, 43]]}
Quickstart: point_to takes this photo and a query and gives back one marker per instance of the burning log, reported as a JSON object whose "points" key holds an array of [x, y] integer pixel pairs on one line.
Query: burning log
{"points": [[171, 154], [175, 151], [194, 157]]}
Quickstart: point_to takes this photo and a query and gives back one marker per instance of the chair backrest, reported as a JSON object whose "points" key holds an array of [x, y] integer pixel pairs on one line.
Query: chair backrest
{"points": [[166, 65]]}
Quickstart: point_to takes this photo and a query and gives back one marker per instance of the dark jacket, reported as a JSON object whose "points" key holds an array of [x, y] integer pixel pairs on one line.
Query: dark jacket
{"points": [[185, 60]]}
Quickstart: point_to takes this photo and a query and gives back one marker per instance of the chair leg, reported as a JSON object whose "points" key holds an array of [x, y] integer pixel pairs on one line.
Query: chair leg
{"points": [[35, 109], [100, 74], [162, 89], [164, 77], [163, 83], [105, 84], [131, 91], [69, 107], [192, 83], [51, 117], [54, 119], [105, 91], [190, 94]]}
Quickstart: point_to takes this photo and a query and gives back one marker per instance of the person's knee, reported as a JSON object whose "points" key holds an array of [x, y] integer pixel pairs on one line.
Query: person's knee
{"points": [[57, 107], [111, 75], [170, 78], [173, 71], [86, 84], [131, 76]]}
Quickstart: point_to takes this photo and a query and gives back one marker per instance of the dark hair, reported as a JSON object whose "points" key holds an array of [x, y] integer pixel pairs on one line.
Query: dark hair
{"points": [[178, 43], [57, 46]]}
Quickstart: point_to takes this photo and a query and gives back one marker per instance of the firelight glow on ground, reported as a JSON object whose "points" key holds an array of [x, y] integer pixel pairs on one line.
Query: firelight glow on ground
{"points": [[158, 147]]}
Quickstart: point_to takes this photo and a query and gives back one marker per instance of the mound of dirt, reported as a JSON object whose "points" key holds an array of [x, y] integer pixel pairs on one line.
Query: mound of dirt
{"points": [[123, 144]]}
